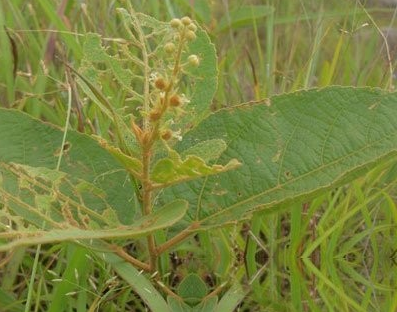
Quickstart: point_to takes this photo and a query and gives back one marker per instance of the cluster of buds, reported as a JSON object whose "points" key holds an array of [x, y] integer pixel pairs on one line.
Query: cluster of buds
{"points": [[165, 95], [185, 30]]}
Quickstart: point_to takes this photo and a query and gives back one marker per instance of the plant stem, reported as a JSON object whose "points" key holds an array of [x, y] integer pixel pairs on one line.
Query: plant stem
{"points": [[146, 146], [146, 67], [147, 203], [123, 254], [177, 238], [168, 291]]}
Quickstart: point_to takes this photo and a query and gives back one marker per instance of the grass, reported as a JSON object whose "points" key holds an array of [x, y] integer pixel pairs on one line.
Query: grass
{"points": [[333, 253]]}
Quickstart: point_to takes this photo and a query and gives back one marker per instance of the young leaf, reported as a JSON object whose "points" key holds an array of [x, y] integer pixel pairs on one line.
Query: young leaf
{"points": [[202, 80], [176, 305], [132, 165], [170, 171], [207, 150], [207, 305], [231, 298], [192, 289]]}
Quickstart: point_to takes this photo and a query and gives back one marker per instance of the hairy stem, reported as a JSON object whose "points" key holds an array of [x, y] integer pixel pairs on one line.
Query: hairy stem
{"points": [[147, 202], [146, 68], [147, 145]]}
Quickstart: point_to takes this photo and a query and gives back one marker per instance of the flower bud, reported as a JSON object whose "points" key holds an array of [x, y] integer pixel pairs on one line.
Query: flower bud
{"points": [[192, 27], [175, 100], [166, 135], [160, 83], [193, 60], [169, 47], [154, 115], [190, 35], [186, 20], [175, 23]]}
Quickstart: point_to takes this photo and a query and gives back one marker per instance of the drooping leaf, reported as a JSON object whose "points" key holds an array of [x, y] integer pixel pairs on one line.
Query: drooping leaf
{"points": [[28, 141], [54, 210], [290, 147]]}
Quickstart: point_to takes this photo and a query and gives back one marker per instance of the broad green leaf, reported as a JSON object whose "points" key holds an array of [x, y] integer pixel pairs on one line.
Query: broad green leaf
{"points": [[168, 171], [192, 289], [29, 141], [291, 146], [244, 16]]}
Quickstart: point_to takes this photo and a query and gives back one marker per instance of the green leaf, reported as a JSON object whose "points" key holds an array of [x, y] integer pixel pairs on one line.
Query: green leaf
{"points": [[207, 150], [291, 147], [77, 261], [131, 164], [192, 289], [141, 285], [231, 298], [176, 305], [29, 141], [9, 303], [207, 305], [93, 50], [244, 16], [203, 80], [169, 171], [162, 218]]}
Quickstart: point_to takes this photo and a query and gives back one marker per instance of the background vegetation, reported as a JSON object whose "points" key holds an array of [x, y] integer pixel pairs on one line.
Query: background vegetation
{"points": [[334, 253]]}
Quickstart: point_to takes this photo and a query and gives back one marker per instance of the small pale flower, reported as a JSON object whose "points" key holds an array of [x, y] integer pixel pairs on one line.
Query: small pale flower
{"points": [[177, 135]]}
